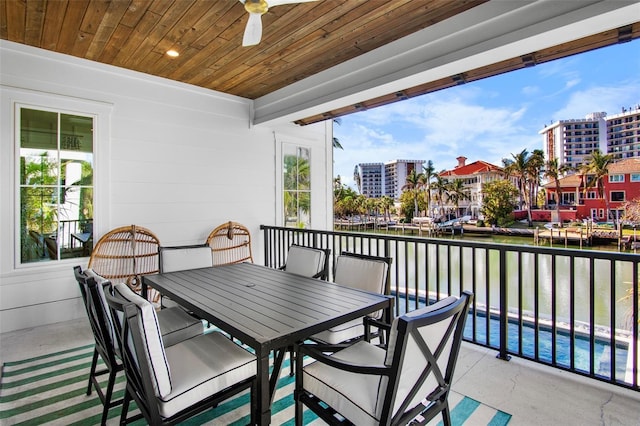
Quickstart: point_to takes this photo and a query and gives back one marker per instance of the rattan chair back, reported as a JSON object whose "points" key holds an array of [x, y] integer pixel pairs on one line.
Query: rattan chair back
{"points": [[125, 254], [230, 243]]}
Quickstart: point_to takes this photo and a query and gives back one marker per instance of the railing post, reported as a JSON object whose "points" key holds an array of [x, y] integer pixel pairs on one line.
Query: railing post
{"points": [[504, 307]]}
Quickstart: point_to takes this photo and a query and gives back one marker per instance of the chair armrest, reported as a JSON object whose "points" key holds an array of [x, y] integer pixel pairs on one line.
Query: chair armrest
{"points": [[319, 353], [368, 322], [319, 275]]}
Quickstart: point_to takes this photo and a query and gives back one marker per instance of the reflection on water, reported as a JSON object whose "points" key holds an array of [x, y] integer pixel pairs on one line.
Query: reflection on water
{"points": [[531, 284]]}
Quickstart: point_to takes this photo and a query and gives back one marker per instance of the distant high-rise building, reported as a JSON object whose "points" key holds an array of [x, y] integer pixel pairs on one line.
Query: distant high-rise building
{"points": [[378, 179], [623, 133], [572, 141], [371, 179]]}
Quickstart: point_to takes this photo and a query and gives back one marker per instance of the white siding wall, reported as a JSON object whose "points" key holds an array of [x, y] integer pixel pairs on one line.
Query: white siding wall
{"points": [[173, 158]]}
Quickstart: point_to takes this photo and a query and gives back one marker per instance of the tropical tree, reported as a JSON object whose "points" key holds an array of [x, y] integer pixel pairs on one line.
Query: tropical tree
{"points": [[554, 171], [525, 167], [386, 204], [428, 173], [440, 186], [457, 192], [497, 202], [594, 171], [336, 142], [408, 202], [413, 185], [632, 211]]}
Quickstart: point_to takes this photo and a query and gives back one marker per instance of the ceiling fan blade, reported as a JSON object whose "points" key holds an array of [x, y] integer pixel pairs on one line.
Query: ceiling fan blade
{"points": [[253, 30], [273, 3]]}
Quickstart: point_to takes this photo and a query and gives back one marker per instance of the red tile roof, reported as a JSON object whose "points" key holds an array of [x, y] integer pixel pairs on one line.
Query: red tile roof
{"points": [[472, 169], [628, 165]]}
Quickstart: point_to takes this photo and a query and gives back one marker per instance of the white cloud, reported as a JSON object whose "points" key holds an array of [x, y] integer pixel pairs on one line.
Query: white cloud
{"points": [[609, 99]]}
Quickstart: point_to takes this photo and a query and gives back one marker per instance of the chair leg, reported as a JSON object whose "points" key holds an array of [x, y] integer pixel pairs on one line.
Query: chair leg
{"points": [[125, 407], [298, 410], [108, 395], [292, 359], [446, 415], [92, 372]]}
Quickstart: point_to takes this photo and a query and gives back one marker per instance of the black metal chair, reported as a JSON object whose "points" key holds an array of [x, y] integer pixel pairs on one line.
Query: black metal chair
{"points": [[308, 261], [175, 325], [170, 385], [409, 381], [99, 318], [365, 272], [180, 258]]}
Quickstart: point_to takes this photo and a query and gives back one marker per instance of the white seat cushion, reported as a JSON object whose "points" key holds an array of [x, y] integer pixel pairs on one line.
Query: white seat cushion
{"points": [[353, 395], [341, 333], [201, 367], [177, 325], [181, 259], [305, 261]]}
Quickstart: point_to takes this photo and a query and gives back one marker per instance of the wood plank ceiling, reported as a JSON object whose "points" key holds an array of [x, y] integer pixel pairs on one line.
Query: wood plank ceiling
{"points": [[298, 40]]}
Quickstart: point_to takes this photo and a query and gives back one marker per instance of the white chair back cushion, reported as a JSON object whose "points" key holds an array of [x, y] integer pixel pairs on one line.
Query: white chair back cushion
{"points": [[101, 281], [305, 261], [414, 361], [150, 330], [180, 259], [365, 274]]}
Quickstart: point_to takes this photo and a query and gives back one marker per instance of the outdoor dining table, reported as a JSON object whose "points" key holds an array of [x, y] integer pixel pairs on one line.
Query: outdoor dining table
{"points": [[266, 309]]}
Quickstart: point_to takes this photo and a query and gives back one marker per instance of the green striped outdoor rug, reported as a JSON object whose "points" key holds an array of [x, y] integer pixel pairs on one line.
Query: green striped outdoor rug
{"points": [[51, 390]]}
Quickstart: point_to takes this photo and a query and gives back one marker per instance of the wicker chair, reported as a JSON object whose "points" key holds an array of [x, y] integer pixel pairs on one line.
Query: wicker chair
{"points": [[230, 243], [125, 254]]}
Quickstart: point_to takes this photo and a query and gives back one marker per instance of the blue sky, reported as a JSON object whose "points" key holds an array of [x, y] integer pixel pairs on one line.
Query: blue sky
{"points": [[492, 118]]}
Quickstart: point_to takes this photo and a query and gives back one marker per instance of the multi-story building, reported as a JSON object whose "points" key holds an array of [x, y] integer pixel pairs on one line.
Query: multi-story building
{"points": [[473, 175], [622, 184], [378, 179], [572, 141], [371, 179], [623, 133]]}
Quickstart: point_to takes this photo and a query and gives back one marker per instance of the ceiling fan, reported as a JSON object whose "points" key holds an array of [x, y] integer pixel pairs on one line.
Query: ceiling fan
{"points": [[257, 8]]}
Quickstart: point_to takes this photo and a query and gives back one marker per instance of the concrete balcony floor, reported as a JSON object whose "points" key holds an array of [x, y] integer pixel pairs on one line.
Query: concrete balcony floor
{"points": [[532, 393]]}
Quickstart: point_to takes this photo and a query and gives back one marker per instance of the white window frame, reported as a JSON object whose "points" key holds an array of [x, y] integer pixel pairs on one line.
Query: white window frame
{"points": [[635, 177], [624, 196], [617, 178], [12, 100]]}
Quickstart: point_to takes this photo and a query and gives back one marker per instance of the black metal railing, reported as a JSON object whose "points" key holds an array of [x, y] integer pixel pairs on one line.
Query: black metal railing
{"points": [[575, 310]]}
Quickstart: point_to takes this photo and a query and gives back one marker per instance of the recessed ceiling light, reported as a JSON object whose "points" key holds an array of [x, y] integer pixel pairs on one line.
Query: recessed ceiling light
{"points": [[172, 53]]}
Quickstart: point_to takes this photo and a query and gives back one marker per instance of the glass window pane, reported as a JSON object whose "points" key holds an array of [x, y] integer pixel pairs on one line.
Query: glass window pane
{"points": [[56, 185], [296, 182]]}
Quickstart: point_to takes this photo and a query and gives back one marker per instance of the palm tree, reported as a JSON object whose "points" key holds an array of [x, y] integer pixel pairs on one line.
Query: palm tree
{"points": [[386, 203], [525, 167], [535, 166], [441, 187], [597, 167], [428, 172], [413, 185], [336, 142], [457, 192], [555, 171]]}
